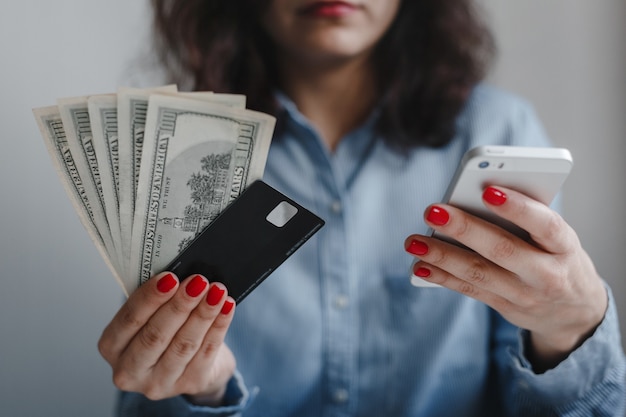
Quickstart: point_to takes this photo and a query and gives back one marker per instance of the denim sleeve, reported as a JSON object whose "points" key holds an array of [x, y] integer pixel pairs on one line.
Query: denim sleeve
{"points": [[591, 381], [237, 397]]}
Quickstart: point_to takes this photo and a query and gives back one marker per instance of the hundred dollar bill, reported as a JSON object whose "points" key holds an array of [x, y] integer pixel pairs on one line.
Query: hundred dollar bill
{"points": [[132, 110], [132, 107], [197, 158], [77, 124], [103, 117], [52, 130]]}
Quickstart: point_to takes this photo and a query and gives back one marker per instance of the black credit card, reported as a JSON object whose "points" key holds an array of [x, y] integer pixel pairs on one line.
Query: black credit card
{"points": [[255, 234]]}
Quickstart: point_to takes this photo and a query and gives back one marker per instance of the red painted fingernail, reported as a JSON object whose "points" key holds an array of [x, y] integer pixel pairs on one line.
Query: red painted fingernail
{"points": [[421, 272], [196, 286], [215, 295], [438, 216], [227, 307], [417, 248], [494, 196], [166, 283]]}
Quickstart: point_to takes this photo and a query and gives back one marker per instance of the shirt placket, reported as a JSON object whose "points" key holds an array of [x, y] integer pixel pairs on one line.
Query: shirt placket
{"points": [[339, 316], [338, 282]]}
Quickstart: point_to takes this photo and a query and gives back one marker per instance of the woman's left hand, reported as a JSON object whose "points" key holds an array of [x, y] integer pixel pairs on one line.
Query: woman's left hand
{"points": [[548, 286]]}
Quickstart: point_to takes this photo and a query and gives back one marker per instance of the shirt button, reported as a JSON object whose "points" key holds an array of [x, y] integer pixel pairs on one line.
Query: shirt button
{"points": [[340, 395], [341, 302], [335, 207]]}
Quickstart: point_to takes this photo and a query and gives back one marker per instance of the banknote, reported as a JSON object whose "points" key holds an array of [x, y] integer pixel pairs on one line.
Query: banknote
{"points": [[77, 124], [103, 119], [197, 157], [53, 132], [132, 107], [132, 110]]}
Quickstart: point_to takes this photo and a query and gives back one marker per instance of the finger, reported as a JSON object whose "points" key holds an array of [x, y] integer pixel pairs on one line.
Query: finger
{"points": [[213, 341], [492, 242], [545, 226], [432, 274], [135, 313], [465, 265], [148, 345], [191, 335]]}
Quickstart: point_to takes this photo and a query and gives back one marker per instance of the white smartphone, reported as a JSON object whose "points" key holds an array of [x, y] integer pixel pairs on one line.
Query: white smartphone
{"points": [[537, 172]]}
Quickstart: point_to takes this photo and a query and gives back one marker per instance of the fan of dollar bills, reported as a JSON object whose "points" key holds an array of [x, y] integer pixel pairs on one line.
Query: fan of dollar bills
{"points": [[148, 169]]}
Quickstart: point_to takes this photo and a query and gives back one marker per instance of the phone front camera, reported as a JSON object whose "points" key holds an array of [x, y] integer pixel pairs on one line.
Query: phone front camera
{"points": [[483, 164]]}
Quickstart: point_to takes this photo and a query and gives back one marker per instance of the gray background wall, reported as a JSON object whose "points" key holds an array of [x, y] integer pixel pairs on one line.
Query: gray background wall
{"points": [[566, 56]]}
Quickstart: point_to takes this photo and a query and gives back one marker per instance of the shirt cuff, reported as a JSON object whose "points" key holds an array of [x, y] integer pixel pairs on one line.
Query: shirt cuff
{"points": [[236, 400], [600, 359]]}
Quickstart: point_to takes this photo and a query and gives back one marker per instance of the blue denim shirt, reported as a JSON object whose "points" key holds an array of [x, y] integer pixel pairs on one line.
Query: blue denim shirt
{"points": [[338, 330]]}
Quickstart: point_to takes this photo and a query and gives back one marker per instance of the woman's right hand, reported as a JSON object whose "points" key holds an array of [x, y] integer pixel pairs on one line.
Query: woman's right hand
{"points": [[168, 339]]}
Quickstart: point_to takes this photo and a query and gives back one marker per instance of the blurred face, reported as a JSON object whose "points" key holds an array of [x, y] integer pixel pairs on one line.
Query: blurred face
{"points": [[324, 31]]}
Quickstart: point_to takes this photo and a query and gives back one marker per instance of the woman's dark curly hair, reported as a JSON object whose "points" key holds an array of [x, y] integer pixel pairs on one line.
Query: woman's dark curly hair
{"points": [[435, 52]]}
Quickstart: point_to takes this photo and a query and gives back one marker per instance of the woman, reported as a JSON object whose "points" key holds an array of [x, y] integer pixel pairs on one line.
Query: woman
{"points": [[377, 100]]}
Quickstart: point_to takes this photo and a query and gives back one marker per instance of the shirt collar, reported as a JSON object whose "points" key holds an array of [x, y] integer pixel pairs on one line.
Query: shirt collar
{"points": [[353, 149]]}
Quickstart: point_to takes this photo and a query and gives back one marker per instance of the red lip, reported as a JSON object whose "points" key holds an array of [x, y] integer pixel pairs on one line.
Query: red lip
{"points": [[328, 9]]}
